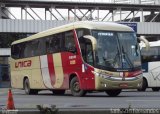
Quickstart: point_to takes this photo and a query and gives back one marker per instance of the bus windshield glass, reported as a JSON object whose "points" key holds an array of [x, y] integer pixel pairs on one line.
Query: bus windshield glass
{"points": [[116, 50]]}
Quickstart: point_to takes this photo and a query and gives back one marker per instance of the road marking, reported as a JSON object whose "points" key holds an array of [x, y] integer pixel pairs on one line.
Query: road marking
{"points": [[144, 100]]}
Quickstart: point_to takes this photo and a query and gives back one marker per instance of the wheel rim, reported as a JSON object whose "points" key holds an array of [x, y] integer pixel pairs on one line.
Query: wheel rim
{"points": [[76, 86]]}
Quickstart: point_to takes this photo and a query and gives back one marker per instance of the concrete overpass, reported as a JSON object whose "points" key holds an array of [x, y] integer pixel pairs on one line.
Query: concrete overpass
{"points": [[34, 26]]}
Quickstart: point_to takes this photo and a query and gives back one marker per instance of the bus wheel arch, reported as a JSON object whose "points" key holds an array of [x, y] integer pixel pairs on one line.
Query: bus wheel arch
{"points": [[144, 85], [24, 81], [26, 86], [74, 85]]}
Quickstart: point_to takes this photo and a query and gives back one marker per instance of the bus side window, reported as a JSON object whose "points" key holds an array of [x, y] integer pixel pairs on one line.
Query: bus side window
{"points": [[69, 40], [49, 45], [89, 53], [31, 48], [53, 43], [42, 46], [57, 42], [18, 50], [15, 51], [21, 53], [35, 51], [151, 55]]}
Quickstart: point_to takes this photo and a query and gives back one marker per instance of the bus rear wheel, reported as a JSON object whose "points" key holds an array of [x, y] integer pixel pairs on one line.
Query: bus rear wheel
{"points": [[155, 89], [75, 88], [27, 88], [58, 92], [114, 92]]}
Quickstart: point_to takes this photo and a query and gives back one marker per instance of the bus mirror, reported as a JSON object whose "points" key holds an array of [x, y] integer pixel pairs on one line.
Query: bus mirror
{"points": [[143, 39], [93, 40]]}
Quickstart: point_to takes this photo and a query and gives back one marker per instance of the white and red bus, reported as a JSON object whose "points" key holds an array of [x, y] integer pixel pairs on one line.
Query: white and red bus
{"points": [[151, 66], [82, 56]]}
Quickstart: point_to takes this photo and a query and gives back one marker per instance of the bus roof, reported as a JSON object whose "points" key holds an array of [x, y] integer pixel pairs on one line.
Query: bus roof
{"points": [[81, 24]]}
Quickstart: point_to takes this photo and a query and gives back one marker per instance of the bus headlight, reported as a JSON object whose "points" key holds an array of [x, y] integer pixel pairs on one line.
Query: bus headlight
{"points": [[102, 75]]}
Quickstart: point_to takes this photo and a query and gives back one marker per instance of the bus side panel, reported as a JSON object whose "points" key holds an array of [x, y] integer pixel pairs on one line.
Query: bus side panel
{"points": [[36, 81], [47, 70], [52, 71], [72, 64], [28, 67], [146, 73], [154, 74], [19, 70], [87, 79], [15, 79], [59, 74]]}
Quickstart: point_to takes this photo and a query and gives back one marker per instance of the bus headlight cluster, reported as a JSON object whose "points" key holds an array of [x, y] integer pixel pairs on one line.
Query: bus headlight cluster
{"points": [[102, 75]]}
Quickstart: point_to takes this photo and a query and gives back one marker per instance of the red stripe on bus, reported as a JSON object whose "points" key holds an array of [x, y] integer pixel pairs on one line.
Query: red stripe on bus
{"points": [[51, 68]]}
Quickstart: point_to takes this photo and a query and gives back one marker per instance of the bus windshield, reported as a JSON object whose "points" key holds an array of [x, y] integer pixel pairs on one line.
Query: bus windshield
{"points": [[116, 50]]}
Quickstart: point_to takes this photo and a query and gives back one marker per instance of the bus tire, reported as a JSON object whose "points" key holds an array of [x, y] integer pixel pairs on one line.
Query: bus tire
{"points": [[144, 85], [114, 92], [75, 88], [58, 92], [155, 89], [27, 88]]}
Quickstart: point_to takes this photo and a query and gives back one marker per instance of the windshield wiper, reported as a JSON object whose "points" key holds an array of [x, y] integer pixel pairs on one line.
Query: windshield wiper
{"points": [[125, 56]]}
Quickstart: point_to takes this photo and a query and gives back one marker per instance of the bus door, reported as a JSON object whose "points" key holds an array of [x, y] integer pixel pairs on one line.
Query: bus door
{"points": [[71, 60], [87, 54]]}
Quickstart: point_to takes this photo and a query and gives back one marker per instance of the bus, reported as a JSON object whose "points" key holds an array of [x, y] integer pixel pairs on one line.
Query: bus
{"points": [[151, 66], [71, 57]]}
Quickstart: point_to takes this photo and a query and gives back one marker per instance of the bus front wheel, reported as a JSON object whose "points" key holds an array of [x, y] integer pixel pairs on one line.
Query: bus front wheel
{"points": [[27, 88], [144, 85], [75, 88], [114, 92]]}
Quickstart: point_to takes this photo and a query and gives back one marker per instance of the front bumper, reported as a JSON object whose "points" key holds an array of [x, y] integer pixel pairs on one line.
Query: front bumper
{"points": [[118, 83]]}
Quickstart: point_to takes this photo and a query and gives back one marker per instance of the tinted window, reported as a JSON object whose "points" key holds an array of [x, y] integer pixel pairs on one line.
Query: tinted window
{"points": [[15, 50], [153, 54], [69, 40], [81, 32], [54, 43], [31, 48], [86, 50], [49, 44], [42, 46]]}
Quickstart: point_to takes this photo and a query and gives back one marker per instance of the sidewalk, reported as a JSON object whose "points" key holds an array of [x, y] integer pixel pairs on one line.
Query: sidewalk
{"points": [[5, 91]]}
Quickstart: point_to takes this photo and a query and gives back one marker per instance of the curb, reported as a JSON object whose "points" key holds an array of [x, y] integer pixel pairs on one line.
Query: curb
{"points": [[80, 111]]}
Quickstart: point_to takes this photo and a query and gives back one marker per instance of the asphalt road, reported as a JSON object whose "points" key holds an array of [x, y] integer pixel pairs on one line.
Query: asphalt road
{"points": [[133, 99]]}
